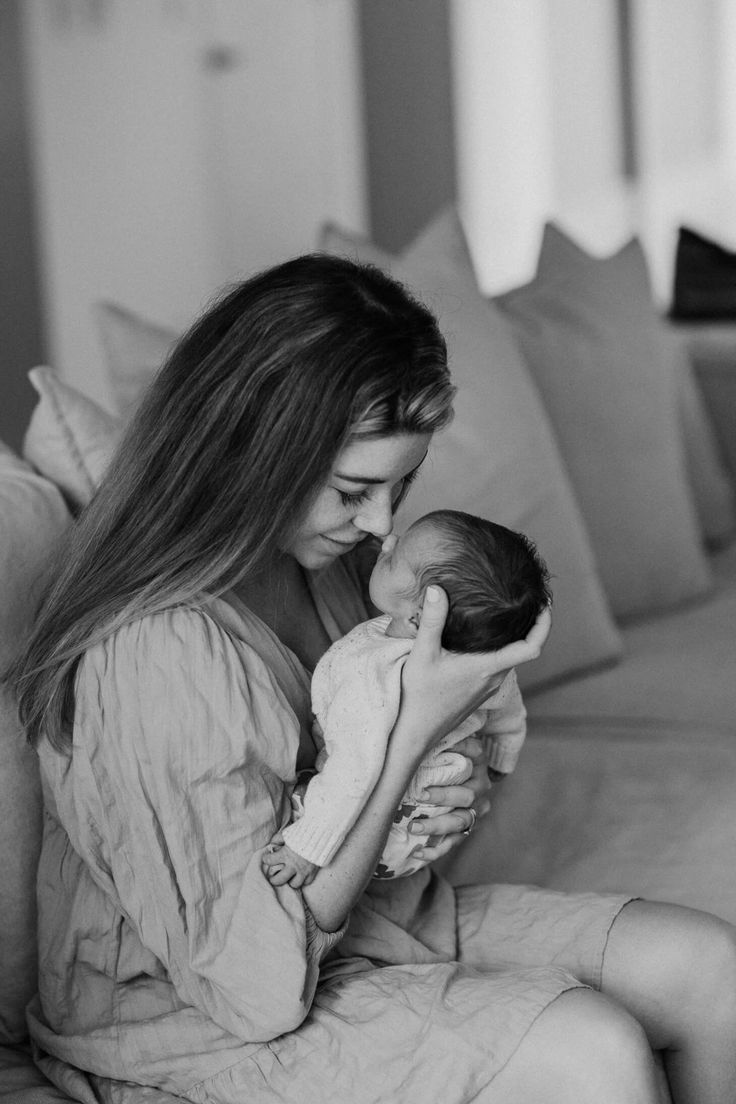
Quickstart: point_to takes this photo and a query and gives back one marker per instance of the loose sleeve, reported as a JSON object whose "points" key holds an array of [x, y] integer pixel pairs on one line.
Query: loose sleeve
{"points": [[190, 746]]}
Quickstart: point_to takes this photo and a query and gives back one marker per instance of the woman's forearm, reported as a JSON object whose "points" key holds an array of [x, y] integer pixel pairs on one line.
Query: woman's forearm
{"points": [[338, 885]]}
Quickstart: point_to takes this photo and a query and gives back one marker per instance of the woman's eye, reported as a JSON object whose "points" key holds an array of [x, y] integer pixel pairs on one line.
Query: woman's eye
{"points": [[355, 499], [401, 488]]}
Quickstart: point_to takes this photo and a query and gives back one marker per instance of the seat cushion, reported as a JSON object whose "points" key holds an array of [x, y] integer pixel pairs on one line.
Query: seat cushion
{"points": [[639, 807], [33, 518], [676, 667]]}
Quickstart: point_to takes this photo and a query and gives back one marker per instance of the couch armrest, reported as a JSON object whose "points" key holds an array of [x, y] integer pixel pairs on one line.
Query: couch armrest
{"points": [[712, 350]]}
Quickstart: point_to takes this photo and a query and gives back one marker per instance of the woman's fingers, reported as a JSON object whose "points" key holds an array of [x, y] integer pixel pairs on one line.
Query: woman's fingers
{"points": [[470, 746], [457, 797], [428, 643], [521, 651]]}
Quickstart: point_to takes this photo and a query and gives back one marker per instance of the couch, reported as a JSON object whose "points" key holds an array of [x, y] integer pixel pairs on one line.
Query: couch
{"points": [[595, 426]]}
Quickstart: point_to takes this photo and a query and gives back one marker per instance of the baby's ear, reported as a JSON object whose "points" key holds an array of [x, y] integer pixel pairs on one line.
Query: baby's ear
{"points": [[414, 620]]}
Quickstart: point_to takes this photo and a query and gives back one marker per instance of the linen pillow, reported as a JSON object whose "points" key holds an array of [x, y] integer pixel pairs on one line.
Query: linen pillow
{"points": [[33, 518], [712, 349], [595, 352], [498, 458], [712, 489], [69, 439], [134, 350]]}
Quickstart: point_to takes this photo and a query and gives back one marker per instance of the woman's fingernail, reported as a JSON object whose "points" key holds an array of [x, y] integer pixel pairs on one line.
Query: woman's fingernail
{"points": [[433, 594]]}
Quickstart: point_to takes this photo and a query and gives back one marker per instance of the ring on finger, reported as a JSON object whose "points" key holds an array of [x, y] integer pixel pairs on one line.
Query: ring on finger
{"points": [[471, 826]]}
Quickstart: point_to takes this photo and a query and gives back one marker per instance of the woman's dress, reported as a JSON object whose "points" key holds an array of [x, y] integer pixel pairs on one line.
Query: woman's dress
{"points": [[168, 960]]}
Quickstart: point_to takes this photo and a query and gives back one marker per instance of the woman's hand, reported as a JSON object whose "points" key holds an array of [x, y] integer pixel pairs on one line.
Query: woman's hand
{"points": [[468, 802], [440, 689]]}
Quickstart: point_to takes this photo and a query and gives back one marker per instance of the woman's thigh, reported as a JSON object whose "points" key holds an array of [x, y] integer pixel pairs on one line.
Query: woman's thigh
{"points": [[671, 966], [528, 926], [582, 1048]]}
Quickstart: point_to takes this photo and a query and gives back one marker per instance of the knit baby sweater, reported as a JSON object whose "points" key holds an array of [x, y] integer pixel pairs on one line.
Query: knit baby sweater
{"points": [[356, 693]]}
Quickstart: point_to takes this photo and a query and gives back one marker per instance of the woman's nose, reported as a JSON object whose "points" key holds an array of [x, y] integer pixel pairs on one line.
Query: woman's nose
{"points": [[376, 516]]}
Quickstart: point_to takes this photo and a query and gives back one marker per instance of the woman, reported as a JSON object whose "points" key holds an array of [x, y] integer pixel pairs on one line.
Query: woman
{"points": [[166, 688]]}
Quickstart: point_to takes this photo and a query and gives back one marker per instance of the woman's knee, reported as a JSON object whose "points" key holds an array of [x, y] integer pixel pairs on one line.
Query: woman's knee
{"points": [[674, 968], [710, 986], [584, 1047]]}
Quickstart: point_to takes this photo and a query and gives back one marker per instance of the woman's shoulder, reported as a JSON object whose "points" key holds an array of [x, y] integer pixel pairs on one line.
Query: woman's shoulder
{"points": [[187, 646]]}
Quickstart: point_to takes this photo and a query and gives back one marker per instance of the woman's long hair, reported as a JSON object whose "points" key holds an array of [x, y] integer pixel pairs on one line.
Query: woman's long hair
{"points": [[230, 445]]}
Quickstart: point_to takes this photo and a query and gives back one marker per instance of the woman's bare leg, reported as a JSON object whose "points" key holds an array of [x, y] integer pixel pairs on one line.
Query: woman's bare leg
{"points": [[674, 969], [582, 1048]]}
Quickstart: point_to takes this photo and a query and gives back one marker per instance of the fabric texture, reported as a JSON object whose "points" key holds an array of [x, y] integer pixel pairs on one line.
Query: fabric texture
{"points": [[151, 890], [594, 348], [356, 692], [134, 350], [677, 667], [69, 439], [712, 349], [499, 458], [655, 798], [32, 519], [561, 258]]}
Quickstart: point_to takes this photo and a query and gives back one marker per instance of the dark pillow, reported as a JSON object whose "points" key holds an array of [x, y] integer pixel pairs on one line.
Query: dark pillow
{"points": [[705, 278]]}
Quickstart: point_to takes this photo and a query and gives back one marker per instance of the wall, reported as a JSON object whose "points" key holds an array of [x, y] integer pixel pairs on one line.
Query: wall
{"points": [[539, 109], [409, 133], [22, 338], [180, 144]]}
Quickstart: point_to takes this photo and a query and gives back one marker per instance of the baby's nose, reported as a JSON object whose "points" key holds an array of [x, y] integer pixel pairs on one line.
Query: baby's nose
{"points": [[389, 543]]}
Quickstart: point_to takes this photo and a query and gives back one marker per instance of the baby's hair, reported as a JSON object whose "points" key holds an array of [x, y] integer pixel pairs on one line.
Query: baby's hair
{"points": [[495, 579]]}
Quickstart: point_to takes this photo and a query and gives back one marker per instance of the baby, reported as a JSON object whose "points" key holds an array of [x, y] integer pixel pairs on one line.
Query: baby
{"points": [[497, 585]]}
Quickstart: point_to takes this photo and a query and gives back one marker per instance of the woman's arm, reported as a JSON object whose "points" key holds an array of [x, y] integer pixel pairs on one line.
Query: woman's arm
{"points": [[439, 689]]}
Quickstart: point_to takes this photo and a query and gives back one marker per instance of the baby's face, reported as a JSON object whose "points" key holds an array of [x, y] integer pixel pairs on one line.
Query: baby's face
{"points": [[394, 583]]}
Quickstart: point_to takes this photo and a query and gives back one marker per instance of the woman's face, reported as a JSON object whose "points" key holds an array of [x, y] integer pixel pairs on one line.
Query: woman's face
{"points": [[357, 497]]}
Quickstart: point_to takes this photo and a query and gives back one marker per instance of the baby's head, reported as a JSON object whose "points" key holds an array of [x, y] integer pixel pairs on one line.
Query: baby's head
{"points": [[496, 582]]}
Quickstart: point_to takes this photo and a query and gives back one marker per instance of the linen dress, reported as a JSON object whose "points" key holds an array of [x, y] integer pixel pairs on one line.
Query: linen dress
{"points": [[167, 959]]}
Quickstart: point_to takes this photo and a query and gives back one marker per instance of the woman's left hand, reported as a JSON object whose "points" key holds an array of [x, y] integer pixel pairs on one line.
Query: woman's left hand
{"points": [[469, 802]]}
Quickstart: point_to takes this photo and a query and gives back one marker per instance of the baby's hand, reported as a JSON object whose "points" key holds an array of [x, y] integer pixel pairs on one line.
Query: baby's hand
{"points": [[282, 866]]}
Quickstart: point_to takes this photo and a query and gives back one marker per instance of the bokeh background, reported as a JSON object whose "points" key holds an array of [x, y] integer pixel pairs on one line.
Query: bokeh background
{"points": [[154, 150]]}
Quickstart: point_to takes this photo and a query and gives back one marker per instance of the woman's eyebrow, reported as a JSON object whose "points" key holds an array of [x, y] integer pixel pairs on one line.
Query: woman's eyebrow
{"points": [[358, 478], [370, 478]]}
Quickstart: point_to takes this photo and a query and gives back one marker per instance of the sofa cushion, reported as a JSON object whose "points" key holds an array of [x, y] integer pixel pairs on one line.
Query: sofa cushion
{"points": [[712, 349], [632, 807], [677, 666], [33, 518], [711, 486], [69, 439], [498, 458], [595, 352], [21, 1082], [134, 349]]}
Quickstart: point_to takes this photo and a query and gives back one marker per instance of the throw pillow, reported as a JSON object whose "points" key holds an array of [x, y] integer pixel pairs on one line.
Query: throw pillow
{"points": [[498, 458], [711, 486], [134, 350], [594, 347], [69, 439], [705, 279], [33, 518]]}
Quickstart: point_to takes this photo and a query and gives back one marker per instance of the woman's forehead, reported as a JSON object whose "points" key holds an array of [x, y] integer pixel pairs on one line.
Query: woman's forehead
{"points": [[380, 459]]}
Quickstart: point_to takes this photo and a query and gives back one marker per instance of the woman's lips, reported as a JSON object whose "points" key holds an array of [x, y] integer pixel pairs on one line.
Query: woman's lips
{"points": [[341, 544]]}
